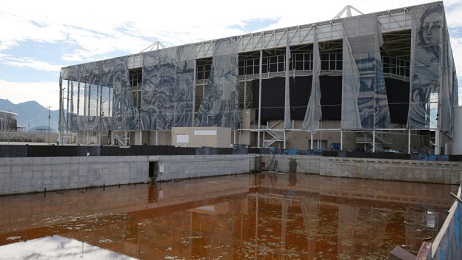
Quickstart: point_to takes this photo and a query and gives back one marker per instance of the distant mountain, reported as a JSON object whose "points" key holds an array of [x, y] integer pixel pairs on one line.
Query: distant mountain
{"points": [[31, 114]]}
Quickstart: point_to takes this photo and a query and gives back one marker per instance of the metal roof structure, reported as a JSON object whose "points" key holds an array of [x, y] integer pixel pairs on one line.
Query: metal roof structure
{"points": [[391, 21]]}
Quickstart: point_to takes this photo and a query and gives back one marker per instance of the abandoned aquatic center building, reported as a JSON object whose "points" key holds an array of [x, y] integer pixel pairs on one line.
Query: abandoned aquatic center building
{"points": [[384, 80]]}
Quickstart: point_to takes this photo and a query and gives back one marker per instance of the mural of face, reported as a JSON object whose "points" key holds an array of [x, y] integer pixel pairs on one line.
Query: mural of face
{"points": [[117, 84], [430, 27]]}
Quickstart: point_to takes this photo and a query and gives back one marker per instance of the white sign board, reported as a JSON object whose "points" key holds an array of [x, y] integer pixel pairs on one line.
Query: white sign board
{"points": [[182, 139]]}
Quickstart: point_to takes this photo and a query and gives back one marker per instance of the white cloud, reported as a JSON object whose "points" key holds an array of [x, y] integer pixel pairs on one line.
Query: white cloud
{"points": [[31, 63], [99, 27], [45, 93]]}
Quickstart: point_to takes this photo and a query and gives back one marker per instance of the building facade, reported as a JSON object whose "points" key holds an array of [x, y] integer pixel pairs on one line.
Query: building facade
{"points": [[380, 81]]}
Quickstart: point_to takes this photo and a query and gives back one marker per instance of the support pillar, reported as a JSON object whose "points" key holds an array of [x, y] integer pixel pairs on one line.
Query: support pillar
{"points": [[409, 141]]}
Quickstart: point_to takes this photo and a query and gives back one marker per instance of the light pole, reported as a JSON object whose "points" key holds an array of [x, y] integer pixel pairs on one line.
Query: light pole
{"points": [[49, 123]]}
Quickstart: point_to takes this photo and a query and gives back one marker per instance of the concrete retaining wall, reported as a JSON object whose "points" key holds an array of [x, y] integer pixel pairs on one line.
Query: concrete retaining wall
{"points": [[395, 170], [379, 169], [194, 166], [22, 175], [31, 174]]}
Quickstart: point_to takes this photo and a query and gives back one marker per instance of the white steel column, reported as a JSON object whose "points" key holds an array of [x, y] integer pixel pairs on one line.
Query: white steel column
{"points": [[373, 141], [312, 142], [437, 142], [409, 141], [193, 97], [245, 91], [259, 97], [284, 139]]}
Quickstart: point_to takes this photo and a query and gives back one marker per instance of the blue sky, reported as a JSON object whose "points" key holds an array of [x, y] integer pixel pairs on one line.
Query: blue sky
{"points": [[37, 38]]}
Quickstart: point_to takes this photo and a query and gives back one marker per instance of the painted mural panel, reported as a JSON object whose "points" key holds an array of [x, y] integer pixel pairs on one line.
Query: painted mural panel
{"points": [[168, 88], [220, 105], [313, 112], [287, 119], [350, 88], [449, 86], [88, 96], [365, 39], [124, 111], [73, 75], [425, 66]]}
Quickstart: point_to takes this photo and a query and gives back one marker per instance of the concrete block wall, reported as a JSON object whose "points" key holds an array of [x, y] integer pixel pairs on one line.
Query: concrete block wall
{"points": [[394, 170], [378, 169], [194, 166], [31, 174]]}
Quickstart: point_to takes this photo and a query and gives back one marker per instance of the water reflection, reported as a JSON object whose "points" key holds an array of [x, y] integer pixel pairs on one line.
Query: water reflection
{"points": [[57, 247], [244, 216]]}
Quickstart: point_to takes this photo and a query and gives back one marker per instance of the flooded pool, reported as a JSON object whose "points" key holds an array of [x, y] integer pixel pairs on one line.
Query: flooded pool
{"points": [[263, 216]]}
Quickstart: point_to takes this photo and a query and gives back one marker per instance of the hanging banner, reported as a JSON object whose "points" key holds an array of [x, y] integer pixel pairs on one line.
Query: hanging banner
{"points": [[313, 112], [427, 21], [369, 98], [220, 105], [168, 88]]}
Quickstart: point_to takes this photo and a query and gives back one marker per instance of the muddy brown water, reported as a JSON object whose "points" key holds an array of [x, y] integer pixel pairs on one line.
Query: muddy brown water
{"points": [[261, 216]]}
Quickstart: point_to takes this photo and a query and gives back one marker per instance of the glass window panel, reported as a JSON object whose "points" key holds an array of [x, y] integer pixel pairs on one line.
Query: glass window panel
{"points": [[308, 64], [241, 71], [281, 66], [332, 65], [249, 69], [273, 67], [385, 68], [281, 58]]}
